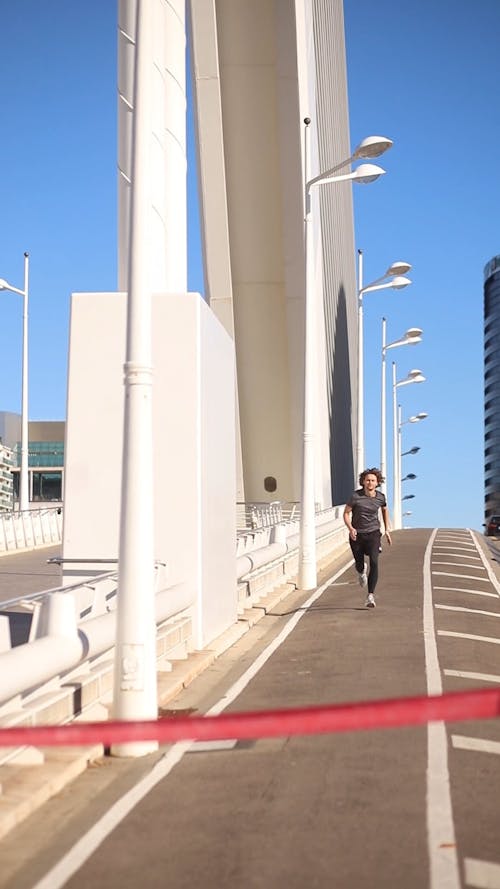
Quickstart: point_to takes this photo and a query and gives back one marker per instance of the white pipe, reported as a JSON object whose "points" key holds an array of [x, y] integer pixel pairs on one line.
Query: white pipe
{"points": [[307, 548]]}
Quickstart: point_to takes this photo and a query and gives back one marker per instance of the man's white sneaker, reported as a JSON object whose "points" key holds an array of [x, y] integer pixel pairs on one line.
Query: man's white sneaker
{"points": [[362, 578], [370, 601]]}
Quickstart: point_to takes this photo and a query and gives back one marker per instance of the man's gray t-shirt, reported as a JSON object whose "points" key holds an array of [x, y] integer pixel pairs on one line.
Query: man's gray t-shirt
{"points": [[365, 510]]}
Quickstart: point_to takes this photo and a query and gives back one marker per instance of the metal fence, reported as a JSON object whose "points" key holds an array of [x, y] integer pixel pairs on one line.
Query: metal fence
{"points": [[30, 529]]}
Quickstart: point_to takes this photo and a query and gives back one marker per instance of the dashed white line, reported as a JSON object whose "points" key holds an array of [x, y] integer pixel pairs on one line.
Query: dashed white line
{"points": [[452, 552], [467, 674], [463, 576], [459, 564], [478, 745], [457, 589], [471, 636], [482, 874], [468, 610]]}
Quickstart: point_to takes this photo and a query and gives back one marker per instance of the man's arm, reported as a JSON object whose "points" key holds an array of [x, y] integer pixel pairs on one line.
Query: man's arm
{"points": [[385, 518], [348, 521]]}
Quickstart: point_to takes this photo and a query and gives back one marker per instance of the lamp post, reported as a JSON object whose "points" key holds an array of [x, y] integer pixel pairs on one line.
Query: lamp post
{"points": [[24, 480], [372, 146], [414, 376], [412, 336], [398, 493], [135, 682], [396, 273]]}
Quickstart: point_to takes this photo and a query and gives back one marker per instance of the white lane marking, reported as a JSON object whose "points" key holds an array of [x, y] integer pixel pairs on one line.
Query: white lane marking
{"points": [[463, 576], [491, 639], [457, 589], [89, 842], [443, 860], [459, 565], [482, 874], [468, 610], [467, 674], [491, 573], [478, 745], [452, 551]]}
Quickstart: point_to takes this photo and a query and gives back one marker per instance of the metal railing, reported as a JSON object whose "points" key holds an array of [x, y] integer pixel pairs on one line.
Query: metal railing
{"points": [[30, 528], [254, 515]]}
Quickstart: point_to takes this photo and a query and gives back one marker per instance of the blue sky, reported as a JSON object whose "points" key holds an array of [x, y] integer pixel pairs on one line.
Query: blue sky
{"points": [[425, 74]]}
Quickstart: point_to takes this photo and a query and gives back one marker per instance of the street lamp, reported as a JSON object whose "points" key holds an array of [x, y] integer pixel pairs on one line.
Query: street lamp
{"points": [[135, 695], [413, 419], [23, 481], [414, 376], [396, 274], [412, 336], [411, 451], [410, 476], [365, 173]]}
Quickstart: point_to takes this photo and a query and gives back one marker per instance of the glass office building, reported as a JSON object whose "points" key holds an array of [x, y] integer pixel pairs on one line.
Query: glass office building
{"points": [[45, 459], [492, 387]]}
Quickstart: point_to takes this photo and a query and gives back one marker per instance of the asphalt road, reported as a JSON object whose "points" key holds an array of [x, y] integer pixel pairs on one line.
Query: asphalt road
{"points": [[409, 807], [21, 574]]}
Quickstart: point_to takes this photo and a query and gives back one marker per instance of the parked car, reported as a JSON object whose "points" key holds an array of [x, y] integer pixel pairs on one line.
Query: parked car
{"points": [[493, 526]]}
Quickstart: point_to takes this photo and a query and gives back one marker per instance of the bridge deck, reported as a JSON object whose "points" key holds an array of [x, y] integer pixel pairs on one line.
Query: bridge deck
{"points": [[348, 810]]}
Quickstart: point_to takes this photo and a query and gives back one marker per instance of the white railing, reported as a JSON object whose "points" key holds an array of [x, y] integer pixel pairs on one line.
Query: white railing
{"points": [[254, 515], [255, 548], [30, 529], [73, 627], [70, 625]]}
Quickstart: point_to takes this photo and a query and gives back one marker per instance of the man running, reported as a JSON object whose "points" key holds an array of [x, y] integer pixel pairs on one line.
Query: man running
{"points": [[361, 516]]}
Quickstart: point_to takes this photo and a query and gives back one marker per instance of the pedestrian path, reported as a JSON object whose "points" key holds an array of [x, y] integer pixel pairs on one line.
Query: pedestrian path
{"points": [[28, 571], [413, 807]]}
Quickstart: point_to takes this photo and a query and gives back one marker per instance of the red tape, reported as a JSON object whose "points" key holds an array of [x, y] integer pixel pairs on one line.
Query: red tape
{"points": [[389, 713]]}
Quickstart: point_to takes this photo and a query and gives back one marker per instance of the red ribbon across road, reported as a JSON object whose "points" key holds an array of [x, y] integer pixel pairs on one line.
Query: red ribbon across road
{"points": [[390, 713]]}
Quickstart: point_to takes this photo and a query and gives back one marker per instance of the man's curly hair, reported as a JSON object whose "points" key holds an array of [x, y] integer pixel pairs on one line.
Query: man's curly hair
{"points": [[374, 471]]}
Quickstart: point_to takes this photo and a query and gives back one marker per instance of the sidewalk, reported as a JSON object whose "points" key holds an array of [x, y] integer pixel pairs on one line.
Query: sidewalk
{"points": [[285, 811]]}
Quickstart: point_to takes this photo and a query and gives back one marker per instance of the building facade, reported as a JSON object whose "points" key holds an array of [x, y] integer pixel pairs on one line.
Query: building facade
{"points": [[492, 387], [45, 458]]}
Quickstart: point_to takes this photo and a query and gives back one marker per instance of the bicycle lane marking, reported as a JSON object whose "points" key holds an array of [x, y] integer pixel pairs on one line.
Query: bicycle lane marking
{"points": [[443, 862]]}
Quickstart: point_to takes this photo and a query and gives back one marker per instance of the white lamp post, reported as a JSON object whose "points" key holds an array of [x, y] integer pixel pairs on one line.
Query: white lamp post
{"points": [[396, 273], [414, 376], [412, 336], [24, 480], [135, 682], [363, 174]]}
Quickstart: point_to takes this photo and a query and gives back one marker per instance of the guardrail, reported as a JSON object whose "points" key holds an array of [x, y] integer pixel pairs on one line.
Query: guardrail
{"points": [[68, 659], [260, 514], [30, 528]]}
